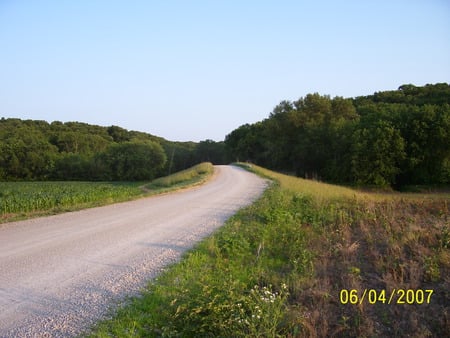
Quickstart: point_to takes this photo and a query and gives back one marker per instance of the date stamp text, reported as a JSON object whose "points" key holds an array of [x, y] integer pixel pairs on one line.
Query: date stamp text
{"points": [[395, 296]]}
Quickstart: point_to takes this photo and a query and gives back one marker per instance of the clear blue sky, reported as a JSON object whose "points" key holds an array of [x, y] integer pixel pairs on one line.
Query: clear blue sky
{"points": [[195, 70]]}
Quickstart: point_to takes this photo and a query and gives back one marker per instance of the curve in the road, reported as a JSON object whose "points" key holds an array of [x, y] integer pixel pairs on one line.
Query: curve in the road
{"points": [[59, 274]]}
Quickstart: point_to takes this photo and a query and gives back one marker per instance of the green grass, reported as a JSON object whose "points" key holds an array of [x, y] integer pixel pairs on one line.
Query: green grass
{"points": [[186, 178], [19, 200], [276, 269]]}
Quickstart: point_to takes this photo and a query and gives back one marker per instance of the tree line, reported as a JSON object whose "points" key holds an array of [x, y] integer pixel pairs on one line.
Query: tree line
{"points": [[391, 138], [38, 150]]}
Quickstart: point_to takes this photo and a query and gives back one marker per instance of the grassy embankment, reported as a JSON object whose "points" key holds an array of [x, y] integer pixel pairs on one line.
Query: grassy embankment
{"points": [[19, 200], [278, 268], [182, 179]]}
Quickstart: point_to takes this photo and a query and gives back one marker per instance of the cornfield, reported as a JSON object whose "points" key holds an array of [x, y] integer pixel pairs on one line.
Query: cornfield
{"points": [[23, 197]]}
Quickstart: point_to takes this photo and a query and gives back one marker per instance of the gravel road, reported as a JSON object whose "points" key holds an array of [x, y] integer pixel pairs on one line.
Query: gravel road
{"points": [[60, 274]]}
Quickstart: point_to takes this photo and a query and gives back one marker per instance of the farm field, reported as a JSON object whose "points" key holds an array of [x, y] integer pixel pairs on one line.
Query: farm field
{"points": [[307, 260], [20, 200]]}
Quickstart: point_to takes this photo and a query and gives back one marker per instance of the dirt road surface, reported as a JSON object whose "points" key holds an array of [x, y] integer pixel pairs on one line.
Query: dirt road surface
{"points": [[60, 274]]}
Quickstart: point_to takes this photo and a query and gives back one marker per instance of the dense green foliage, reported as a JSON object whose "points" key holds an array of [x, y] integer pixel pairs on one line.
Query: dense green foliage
{"points": [[391, 138], [38, 150]]}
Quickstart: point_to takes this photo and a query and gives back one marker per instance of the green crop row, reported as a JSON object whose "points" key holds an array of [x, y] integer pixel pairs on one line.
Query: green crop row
{"points": [[20, 200], [26, 197]]}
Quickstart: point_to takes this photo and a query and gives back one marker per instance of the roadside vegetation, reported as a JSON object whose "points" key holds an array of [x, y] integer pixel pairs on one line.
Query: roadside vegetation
{"points": [[19, 200], [279, 268], [185, 178]]}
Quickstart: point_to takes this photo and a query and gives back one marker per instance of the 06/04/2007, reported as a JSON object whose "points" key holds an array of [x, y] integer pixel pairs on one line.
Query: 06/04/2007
{"points": [[396, 296]]}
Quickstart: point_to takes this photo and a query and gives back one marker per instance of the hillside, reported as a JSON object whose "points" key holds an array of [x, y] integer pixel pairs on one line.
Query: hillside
{"points": [[38, 150]]}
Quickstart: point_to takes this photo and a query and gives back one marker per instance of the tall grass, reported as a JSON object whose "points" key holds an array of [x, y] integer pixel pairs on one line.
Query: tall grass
{"points": [[277, 269]]}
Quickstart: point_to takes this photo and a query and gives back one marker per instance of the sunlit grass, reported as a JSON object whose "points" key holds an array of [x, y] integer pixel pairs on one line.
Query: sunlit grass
{"points": [[319, 190], [196, 174]]}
